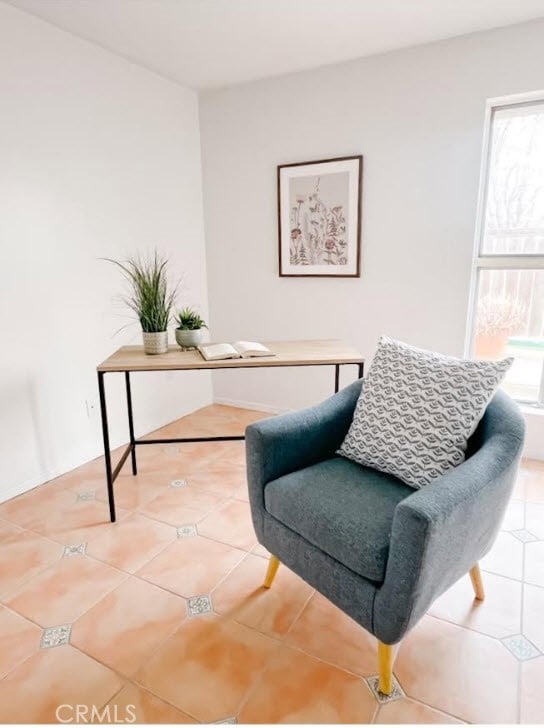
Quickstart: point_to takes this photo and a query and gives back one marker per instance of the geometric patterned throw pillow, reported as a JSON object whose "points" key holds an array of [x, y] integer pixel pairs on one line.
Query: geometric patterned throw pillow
{"points": [[417, 410]]}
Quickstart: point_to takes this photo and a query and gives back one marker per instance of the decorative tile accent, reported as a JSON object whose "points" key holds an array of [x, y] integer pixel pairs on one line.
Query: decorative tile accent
{"points": [[520, 647], [396, 694], [186, 531], [86, 495], [232, 721], [55, 636], [525, 536], [76, 550], [197, 606], [179, 483]]}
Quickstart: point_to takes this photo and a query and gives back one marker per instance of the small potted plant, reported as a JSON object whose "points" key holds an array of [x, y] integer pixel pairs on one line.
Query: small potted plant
{"points": [[190, 328], [149, 298], [498, 318]]}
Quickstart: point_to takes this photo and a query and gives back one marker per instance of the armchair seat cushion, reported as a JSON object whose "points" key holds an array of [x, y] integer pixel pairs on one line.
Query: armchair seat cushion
{"points": [[342, 508]]}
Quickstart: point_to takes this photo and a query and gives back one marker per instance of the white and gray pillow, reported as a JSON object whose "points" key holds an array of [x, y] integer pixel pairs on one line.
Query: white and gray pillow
{"points": [[417, 410]]}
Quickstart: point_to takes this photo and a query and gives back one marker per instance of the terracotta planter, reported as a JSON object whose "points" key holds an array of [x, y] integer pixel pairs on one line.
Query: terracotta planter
{"points": [[155, 342], [490, 346]]}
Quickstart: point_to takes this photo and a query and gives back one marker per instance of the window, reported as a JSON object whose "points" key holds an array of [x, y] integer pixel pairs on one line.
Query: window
{"points": [[507, 296]]}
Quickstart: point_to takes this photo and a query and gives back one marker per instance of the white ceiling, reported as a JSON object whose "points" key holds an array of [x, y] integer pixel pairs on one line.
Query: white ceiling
{"points": [[212, 43]]}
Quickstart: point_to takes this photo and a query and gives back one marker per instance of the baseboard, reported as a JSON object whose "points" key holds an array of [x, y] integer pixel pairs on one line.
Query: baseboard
{"points": [[82, 456], [252, 405], [46, 475]]}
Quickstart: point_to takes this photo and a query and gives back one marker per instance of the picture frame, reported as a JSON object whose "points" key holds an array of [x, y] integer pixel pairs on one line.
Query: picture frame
{"points": [[319, 218]]}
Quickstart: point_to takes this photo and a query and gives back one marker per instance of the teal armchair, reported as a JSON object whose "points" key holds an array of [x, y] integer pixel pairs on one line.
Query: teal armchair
{"points": [[378, 549]]}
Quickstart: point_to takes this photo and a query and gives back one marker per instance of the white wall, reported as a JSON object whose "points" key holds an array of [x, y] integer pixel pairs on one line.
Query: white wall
{"points": [[98, 157], [417, 117]]}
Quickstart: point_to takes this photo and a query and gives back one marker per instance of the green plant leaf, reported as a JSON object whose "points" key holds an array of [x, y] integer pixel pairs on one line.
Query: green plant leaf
{"points": [[149, 296]]}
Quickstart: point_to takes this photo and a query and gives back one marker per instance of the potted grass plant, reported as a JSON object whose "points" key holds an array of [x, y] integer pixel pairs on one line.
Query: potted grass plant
{"points": [[190, 328], [149, 298]]}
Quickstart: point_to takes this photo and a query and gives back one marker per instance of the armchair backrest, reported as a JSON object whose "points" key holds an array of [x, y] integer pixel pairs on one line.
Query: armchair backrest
{"points": [[502, 418]]}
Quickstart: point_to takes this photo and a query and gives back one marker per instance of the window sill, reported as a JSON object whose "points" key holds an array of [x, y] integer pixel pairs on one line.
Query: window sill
{"points": [[532, 409]]}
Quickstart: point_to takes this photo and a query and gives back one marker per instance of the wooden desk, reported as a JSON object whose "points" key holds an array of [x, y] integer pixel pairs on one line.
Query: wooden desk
{"points": [[129, 359]]}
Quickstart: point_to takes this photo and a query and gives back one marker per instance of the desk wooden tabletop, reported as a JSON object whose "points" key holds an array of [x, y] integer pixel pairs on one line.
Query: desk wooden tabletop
{"points": [[287, 353]]}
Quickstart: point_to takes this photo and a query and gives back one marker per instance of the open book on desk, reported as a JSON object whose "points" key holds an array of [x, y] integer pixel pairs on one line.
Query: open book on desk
{"points": [[237, 350]]}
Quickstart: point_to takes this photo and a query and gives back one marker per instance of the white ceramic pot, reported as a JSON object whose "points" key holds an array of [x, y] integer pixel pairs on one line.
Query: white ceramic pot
{"points": [[155, 342], [188, 339]]}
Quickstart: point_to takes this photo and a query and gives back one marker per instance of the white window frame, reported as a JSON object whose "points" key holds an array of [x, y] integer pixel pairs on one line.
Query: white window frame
{"points": [[498, 261]]}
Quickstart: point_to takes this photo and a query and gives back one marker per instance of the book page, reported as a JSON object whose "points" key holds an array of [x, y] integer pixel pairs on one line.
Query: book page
{"points": [[212, 352], [251, 348]]}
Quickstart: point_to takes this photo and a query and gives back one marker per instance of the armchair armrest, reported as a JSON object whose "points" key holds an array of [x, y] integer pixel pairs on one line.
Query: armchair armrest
{"points": [[283, 444], [441, 531]]}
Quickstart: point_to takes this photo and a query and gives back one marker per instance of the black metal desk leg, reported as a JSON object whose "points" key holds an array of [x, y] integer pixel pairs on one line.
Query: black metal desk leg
{"points": [[105, 435], [361, 370], [131, 425], [336, 377]]}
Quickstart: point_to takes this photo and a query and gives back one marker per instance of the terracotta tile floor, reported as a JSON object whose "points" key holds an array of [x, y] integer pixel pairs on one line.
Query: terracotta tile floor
{"points": [[164, 610]]}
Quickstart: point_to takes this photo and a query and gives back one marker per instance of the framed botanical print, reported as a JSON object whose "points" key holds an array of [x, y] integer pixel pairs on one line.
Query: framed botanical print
{"points": [[319, 217]]}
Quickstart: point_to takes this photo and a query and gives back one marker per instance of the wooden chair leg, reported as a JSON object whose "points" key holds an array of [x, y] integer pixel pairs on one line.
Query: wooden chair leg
{"points": [[477, 583], [385, 668], [273, 565]]}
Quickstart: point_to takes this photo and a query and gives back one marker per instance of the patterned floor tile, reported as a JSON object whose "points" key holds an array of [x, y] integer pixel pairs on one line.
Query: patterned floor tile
{"points": [[86, 495], [128, 624], [55, 636], [524, 535], [298, 688], [32, 692], [533, 615], [19, 638], [65, 591], [79, 549], [178, 483], [520, 647], [242, 597], [374, 685], [132, 542], [187, 531], [198, 606], [191, 566], [406, 711], [207, 667]]}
